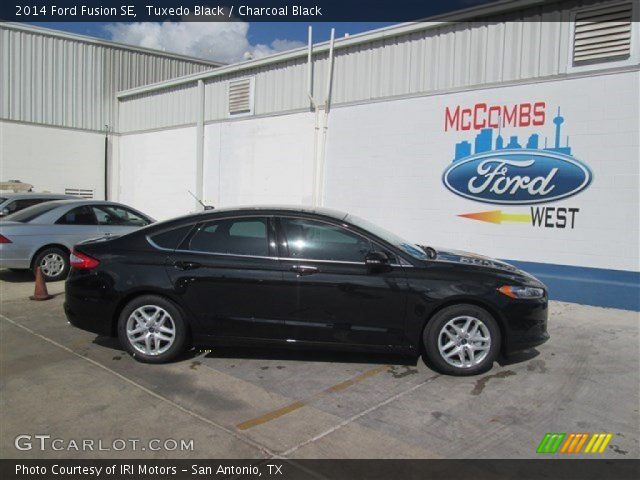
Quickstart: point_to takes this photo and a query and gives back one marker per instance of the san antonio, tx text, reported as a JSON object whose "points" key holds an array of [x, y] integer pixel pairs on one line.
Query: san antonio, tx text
{"points": [[141, 469]]}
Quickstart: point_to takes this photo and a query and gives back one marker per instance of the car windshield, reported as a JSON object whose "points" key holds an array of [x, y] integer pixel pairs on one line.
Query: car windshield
{"points": [[406, 246], [31, 213], [2, 199]]}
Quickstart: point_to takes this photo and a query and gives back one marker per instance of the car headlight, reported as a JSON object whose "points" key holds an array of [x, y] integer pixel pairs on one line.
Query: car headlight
{"points": [[521, 292]]}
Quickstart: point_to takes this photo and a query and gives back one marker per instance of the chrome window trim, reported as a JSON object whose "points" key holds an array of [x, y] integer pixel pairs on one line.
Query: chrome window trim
{"points": [[260, 257], [404, 263]]}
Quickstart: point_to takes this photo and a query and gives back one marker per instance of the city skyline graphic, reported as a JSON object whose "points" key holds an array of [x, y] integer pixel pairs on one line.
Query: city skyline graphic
{"points": [[484, 142]]}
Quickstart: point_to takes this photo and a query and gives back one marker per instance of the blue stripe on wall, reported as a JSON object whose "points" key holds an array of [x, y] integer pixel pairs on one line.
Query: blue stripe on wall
{"points": [[589, 286]]}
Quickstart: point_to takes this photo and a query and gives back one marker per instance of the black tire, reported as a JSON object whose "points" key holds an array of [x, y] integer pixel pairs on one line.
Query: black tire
{"points": [[56, 252], [176, 316], [434, 330]]}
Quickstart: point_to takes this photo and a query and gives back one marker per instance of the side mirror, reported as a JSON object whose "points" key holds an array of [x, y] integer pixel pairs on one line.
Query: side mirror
{"points": [[377, 262], [4, 211]]}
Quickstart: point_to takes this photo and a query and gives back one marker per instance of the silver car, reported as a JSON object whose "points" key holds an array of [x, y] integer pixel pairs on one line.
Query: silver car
{"points": [[44, 235], [14, 202]]}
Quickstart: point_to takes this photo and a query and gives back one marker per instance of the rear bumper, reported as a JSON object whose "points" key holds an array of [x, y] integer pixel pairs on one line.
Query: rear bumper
{"points": [[87, 321], [87, 305]]}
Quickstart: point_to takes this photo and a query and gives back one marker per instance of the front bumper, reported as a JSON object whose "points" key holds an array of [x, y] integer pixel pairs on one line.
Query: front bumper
{"points": [[526, 324]]}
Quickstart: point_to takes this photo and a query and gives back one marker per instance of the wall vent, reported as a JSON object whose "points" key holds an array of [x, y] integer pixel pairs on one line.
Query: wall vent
{"points": [[79, 192], [602, 34], [241, 96]]}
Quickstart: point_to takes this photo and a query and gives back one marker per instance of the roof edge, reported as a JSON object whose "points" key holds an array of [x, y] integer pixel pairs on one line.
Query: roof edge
{"points": [[49, 32]]}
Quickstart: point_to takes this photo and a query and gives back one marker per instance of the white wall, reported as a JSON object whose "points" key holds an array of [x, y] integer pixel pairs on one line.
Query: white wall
{"points": [[51, 158], [385, 162], [156, 170], [260, 161]]}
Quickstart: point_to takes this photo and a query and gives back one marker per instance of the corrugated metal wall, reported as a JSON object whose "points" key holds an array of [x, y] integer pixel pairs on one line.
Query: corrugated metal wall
{"points": [[149, 111], [65, 82], [506, 48]]}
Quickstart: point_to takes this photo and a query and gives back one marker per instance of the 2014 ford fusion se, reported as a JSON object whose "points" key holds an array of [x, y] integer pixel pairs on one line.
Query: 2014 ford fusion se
{"points": [[303, 277]]}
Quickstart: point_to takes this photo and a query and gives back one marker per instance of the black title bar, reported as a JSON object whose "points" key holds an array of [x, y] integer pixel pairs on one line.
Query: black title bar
{"points": [[268, 469], [237, 10]]}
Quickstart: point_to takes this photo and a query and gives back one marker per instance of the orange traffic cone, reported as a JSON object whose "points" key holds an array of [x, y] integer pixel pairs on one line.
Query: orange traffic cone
{"points": [[41, 292]]}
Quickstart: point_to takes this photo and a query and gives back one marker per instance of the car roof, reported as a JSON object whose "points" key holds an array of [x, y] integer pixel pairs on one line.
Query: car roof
{"points": [[82, 201], [329, 212]]}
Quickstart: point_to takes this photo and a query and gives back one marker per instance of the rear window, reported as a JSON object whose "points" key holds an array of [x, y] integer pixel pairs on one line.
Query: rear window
{"points": [[31, 213], [171, 238]]}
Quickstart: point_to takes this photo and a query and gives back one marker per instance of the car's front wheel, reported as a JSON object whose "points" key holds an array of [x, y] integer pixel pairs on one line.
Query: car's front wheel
{"points": [[462, 340], [53, 262], [152, 329]]}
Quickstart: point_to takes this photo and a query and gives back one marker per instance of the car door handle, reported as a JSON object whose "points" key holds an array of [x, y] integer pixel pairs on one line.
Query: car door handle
{"points": [[302, 270], [186, 265]]}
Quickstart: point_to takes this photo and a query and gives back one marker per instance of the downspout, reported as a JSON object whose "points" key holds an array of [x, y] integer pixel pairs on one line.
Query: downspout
{"points": [[310, 67], [106, 162], [323, 127], [314, 108], [200, 147]]}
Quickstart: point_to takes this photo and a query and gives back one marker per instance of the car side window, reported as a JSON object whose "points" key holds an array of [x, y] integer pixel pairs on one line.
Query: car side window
{"points": [[78, 216], [21, 204], [238, 236], [309, 239], [118, 216], [172, 238]]}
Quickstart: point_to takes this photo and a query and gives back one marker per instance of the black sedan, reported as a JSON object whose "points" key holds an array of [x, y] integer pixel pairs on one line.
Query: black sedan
{"points": [[303, 277]]}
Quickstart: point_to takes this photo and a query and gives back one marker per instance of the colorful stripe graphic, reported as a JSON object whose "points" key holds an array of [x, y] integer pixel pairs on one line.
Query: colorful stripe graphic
{"points": [[574, 442], [550, 442], [598, 443]]}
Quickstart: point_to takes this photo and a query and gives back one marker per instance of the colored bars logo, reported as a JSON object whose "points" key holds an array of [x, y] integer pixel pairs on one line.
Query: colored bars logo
{"points": [[573, 443]]}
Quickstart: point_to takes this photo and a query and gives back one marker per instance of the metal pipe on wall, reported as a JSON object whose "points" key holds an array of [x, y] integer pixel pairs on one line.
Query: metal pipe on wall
{"points": [[318, 188], [310, 67], [106, 162], [200, 146]]}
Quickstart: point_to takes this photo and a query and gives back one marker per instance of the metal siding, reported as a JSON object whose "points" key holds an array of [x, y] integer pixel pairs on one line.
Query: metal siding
{"points": [[504, 48], [159, 110], [69, 83]]}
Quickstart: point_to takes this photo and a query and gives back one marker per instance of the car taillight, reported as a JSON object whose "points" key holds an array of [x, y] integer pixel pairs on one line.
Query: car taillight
{"points": [[80, 261], [4, 239]]}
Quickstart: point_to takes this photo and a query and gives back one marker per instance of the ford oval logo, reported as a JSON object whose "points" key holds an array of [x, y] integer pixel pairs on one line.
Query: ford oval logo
{"points": [[518, 176]]}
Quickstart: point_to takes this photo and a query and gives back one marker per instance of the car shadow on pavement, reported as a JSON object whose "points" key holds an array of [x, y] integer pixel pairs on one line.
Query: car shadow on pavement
{"points": [[16, 276], [113, 343], [518, 357], [252, 353]]}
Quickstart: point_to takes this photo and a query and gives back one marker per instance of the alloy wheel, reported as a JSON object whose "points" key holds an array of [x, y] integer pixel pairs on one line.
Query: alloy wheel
{"points": [[52, 264], [150, 330], [464, 341]]}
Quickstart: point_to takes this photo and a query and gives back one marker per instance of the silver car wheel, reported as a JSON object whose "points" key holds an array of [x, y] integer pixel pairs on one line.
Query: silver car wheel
{"points": [[464, 341], [52, 264], [150, 330]]}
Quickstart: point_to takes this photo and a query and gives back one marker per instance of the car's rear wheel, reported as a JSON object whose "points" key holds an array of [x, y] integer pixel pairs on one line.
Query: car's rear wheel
{"points": [[152, 329], [53, 262], [462, 340]]}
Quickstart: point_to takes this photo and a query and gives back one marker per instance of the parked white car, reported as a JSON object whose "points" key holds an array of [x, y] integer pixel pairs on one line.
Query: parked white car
{"points": [[44, 235]]}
